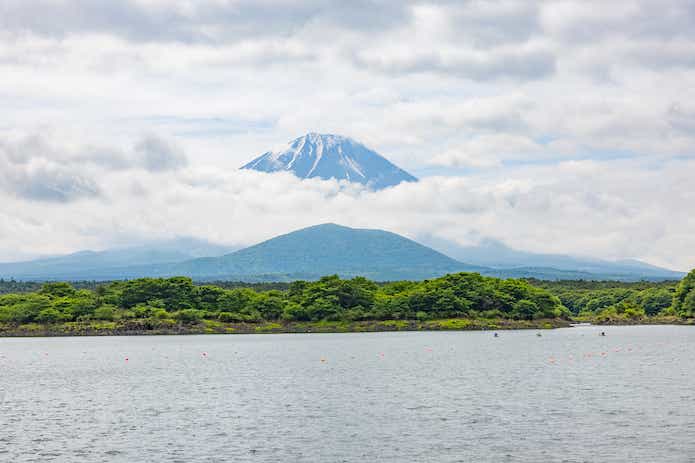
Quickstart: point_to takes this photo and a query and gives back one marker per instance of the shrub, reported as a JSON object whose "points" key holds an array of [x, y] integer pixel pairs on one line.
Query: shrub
{"points": [[57, 289], [188, 315], [524, 310], [49, 315], [105, 312], [230, 317], [684, 298]]}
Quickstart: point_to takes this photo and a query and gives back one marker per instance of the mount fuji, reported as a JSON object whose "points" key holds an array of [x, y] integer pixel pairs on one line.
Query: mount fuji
{"points": [[332, 156]]}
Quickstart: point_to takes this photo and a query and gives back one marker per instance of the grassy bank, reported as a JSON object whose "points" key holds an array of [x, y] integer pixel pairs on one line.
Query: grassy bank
{"points": [[160, 327]]}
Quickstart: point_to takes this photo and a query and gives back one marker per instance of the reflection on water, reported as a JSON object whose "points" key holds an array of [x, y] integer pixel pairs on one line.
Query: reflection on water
{"points": [[569, 395]]}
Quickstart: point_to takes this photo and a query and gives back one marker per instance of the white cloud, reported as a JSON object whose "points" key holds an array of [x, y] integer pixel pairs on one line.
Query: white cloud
{"points": [[157, 155], [489, 150], [38, 169]]}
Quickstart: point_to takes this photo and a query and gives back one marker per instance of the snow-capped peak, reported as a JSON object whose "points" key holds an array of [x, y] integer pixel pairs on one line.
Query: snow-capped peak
{"points": [[331, 156]]}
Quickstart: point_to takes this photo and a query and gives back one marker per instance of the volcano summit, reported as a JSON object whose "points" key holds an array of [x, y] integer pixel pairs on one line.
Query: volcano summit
{"points": [[332, 156]]}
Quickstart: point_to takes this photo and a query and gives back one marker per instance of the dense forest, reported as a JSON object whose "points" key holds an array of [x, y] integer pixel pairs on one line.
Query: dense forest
{"points": [[330, 298], [164, 302], [612, 300]]}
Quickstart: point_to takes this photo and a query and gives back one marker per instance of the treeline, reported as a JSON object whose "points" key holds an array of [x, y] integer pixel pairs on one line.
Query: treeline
{"points": [[14, 286], [330, 298], [462, 295], [613, 300]]}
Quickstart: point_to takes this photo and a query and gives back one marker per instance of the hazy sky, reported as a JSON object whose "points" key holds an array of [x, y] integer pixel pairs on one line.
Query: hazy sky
{"points": [[553, 126]]}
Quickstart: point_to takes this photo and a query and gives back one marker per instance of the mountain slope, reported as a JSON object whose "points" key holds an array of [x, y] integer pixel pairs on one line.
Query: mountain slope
{"points": [[332, 156], [328, 249]]}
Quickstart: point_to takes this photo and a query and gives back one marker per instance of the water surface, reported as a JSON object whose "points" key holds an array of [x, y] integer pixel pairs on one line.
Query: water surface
{"points": [[568, 396]]}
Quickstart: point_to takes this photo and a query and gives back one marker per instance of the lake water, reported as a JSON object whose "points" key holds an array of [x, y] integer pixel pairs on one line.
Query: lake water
{"points": [[568, 396]]}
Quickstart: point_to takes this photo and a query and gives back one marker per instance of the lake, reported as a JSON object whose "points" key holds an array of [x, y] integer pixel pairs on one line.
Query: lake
{"points": [[567, 396]]}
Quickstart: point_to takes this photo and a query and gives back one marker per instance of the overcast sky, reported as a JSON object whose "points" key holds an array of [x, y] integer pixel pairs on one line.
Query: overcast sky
{"points": [[563, 127]]}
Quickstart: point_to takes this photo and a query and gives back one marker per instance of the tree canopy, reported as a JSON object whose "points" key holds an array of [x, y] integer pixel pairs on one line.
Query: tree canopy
{"points": [[684, 297], [330, 298]]}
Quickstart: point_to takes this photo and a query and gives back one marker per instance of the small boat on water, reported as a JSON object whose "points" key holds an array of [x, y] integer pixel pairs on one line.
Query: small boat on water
{"points": [[580, 324]]}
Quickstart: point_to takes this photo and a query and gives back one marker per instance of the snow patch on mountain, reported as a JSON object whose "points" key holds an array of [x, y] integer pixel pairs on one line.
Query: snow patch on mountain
{"points": [[330, 156]]}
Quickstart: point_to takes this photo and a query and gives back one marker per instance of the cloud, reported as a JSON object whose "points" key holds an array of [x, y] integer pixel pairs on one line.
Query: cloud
{"points": [[682, 118], [209, 21], [105, 157], [31, 169], [575, 21], [478, 41], [51, 184], [463, 157], [37, 168], [157, 155], [477, 65], [491, 150], [486, 151]]}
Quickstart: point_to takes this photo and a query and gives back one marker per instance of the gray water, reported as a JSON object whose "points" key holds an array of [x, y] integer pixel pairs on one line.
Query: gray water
{"points": [[568, 396]]}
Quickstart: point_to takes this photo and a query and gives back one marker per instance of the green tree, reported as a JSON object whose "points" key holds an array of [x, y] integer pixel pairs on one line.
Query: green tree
{"points": [[653, 300], [26, 308], [177, 293], [208, 298], [524, 309], [236, 300], [49, 315], [269, 305], [684, 297], [188, 315], [296, 312], [105, 312], [57, 289]]}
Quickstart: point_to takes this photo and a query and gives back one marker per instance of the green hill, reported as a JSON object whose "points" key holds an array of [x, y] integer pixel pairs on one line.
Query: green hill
{"points": [[324, 250]]}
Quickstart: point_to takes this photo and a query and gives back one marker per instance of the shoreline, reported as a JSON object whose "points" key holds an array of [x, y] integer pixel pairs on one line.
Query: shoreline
{"points": [[147, 328], [651, 321], [142, 328]]}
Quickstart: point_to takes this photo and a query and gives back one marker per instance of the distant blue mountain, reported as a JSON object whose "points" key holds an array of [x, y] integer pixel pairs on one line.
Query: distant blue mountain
{"points": [[108, 264], [502, 258], [332, 157]]}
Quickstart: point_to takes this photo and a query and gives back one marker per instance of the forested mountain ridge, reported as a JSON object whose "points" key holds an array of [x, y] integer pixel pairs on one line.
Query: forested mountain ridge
{"points": [[329, 249]]}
